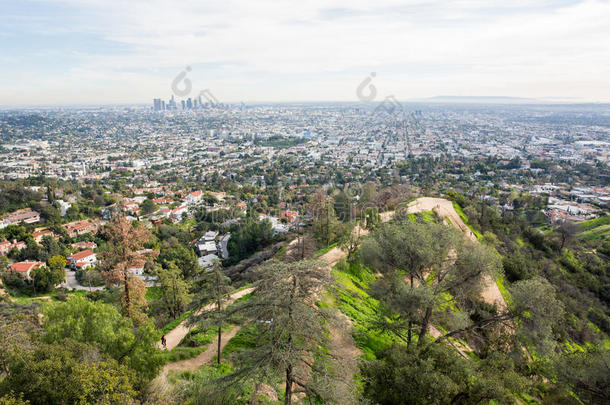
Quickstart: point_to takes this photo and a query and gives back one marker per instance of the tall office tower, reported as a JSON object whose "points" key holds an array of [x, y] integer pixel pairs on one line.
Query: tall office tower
{"points": [[200, 103], [163, 105], [189, 103], [195, 103], [183, 104], [172, 104], [157, 104]]}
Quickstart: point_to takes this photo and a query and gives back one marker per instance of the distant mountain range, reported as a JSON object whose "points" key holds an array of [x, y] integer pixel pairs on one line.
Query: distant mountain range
{"points": [[484, 100]]}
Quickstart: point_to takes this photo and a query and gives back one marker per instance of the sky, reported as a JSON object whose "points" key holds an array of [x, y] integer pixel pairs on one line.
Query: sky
{"points": [[69, 52]]}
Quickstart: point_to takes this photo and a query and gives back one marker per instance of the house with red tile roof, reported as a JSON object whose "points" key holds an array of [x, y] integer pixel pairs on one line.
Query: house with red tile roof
{"points": [[27, 216], [6, 246], [83, 259], [163, 200], [194, 197], [41, 234], [290, 215], [25, 268], [178, 213], [77, 228]]}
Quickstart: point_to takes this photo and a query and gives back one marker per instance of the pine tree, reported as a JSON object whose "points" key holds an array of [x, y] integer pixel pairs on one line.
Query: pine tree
{"points": [[213, 293]]}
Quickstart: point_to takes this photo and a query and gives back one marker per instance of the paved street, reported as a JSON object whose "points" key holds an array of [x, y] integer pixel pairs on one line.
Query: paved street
{"points": [[72, 284]]}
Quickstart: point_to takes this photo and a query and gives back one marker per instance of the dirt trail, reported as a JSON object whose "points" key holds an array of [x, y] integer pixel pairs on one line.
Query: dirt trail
{"points": [[345, 351], [444, 209], [205, 357], [462, 348], [341, 342], [175, 336]]}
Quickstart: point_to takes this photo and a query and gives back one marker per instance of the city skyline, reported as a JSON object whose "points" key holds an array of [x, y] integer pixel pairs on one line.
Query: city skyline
{"points": [[77, 52]]}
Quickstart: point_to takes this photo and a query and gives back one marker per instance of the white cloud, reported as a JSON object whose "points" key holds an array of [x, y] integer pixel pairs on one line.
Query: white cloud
{"points": [[319, 50]]}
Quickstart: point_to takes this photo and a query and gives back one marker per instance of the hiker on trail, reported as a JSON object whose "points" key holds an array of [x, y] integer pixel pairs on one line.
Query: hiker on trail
{"points": [[164, 342]]}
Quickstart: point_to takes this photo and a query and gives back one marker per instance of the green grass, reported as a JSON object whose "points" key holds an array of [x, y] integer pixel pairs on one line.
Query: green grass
{"points": [[425, 216], [460, 211], [182, 353], [528, 399], [244, 339], [171, 325], [600, 233], [428, 216], [21, 298], [501, 282], [461, 214], [243, 287], [204, 338], [594, 223], [205, 373], [352, 299], [595, 230], [325, 250]]}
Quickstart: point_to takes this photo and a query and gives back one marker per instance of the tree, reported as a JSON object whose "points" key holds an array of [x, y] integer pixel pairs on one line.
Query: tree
{"points": [[419, 250], [440, 375], [325, 225], [148, 207], [566, 231], [517, 266], [44, 279], [124, 242], [350, 241], [70, 373], [180, 256], [369, 192], [343, 207], [102, 325], [249, 236], [4, 264], [214, 293], [174, 289], [289, 329], [586, 373], [11, 399], [371, 217], [65, 371], [50, 246], [442, 267], [57, 264]]}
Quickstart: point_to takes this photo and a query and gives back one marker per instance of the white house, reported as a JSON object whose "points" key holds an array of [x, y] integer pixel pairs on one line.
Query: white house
{"points": [[206, 247], [178, 213], [194, 197], [83, 259], [208, 260]]}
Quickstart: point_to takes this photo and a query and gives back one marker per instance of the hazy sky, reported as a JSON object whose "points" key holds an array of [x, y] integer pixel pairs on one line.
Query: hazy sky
{"points": [[106, 51]]}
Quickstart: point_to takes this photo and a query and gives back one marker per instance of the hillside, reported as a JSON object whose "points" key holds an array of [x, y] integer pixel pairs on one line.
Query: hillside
{"points": [[354, 333]]}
